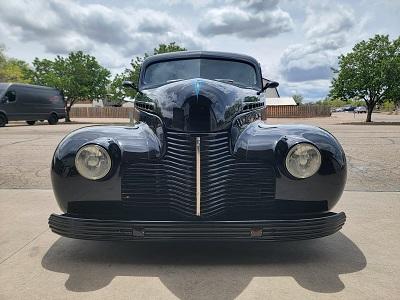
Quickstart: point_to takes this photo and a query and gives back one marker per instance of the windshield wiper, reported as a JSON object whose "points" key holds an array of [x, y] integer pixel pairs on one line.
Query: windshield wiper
{"points": [[231, 81], [225, 80], [174, 80]]}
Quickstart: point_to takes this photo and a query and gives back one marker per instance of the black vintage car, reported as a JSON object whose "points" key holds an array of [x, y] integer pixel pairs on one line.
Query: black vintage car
{"points": [[199, 164]]}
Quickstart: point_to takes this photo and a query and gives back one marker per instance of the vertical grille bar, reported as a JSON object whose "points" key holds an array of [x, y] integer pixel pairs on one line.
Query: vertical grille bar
{"points": [[198, 177]]}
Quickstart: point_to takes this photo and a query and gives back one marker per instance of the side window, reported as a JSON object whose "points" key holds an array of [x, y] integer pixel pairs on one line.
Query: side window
{"points": [[11, 96]]}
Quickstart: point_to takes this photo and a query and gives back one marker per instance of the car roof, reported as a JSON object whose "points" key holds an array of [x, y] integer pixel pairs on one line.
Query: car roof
{"points": [[4, 85], [8, 84], [199, 54]]}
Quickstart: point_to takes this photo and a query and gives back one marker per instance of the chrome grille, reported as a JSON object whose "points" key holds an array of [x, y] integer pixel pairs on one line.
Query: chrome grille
{"points": [[228, 186]]}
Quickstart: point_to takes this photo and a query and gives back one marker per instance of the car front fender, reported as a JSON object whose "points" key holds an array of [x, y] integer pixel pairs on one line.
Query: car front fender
{"points": [[271, 143], [123, 144]]}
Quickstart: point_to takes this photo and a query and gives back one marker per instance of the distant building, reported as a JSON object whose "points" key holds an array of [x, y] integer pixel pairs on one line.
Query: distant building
{"points": [[272, 93], [128, 104], [274, 99], [281, 101]]}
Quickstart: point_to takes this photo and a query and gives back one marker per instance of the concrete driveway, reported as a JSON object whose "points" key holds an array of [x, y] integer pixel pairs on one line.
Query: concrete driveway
{"points": [[360, 262]]}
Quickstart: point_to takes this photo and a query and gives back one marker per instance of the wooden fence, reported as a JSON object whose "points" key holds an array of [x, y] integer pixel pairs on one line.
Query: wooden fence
{"points": [[282, 111], [100, 112], [302, 111]]}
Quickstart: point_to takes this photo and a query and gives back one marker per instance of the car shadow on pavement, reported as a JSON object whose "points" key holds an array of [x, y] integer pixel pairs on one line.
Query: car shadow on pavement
{"points": [[204, 270]]}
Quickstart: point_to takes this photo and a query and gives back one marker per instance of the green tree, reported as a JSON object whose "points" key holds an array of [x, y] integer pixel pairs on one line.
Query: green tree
{"points": [[298, 99], [2, 55], [371, 72], [79, 76], [388, 106], [12, 69], [166, 48], [133, 73], [340, 103], [115, 91]]}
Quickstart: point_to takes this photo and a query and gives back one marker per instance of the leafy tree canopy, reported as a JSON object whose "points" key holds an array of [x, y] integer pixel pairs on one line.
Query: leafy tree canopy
{"points": [[298, 99], [370, 72], [13, 70], [2, 56], [340, 103], [79, 76], [116, 92]]}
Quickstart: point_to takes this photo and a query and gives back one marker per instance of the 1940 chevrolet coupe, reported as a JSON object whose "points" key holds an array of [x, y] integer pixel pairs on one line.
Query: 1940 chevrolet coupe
{"points": [[199, 164]]}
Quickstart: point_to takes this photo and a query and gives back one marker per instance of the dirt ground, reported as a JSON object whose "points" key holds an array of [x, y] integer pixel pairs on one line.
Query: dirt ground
{"points": [[359, 262]]}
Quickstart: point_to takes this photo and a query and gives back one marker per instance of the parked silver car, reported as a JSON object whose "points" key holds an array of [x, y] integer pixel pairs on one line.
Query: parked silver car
{"points": [[338, 109], [360, 110]]}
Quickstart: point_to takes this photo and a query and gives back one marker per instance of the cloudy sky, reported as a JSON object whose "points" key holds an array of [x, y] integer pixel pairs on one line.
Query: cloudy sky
{"points": [[296, 42]]}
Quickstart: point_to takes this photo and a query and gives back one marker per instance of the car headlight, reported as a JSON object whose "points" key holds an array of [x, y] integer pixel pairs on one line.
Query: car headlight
{"points": [[93, 162], [303, 160]]}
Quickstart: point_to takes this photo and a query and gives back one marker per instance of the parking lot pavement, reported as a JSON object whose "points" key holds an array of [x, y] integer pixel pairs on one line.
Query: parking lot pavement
{"points": [[372, 151], [360, 262]]}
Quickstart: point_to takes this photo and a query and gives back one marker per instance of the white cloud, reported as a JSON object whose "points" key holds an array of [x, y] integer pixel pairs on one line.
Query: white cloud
{"points": [[327, 18], [328, 28], [311, 90], [63, 26], [246, 19]]}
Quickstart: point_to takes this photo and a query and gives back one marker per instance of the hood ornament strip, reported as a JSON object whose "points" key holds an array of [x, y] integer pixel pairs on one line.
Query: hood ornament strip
{"points": [[197, 86], [198, 182]]}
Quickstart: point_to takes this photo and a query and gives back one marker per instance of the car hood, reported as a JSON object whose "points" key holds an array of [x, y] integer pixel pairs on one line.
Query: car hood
{"points": [[198, 104]]}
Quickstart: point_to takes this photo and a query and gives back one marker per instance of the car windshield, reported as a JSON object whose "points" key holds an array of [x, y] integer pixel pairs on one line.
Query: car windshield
{"points": [[2, 91], [229, 71]]}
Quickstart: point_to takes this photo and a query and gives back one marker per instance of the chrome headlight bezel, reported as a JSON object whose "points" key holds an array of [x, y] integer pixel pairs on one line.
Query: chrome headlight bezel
{"points": [[291, 161], [95, 172]]}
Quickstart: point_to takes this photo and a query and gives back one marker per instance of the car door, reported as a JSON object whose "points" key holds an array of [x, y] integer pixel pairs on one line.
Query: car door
{"points": [[39, 104], [28, 103]]}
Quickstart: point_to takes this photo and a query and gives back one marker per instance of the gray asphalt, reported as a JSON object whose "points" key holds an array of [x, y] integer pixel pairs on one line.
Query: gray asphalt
{"points": [[360, 262]]}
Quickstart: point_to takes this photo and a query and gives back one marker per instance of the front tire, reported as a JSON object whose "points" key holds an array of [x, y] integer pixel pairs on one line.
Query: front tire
{"points": [[30, 122], [3, 120], [53, 119]]}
